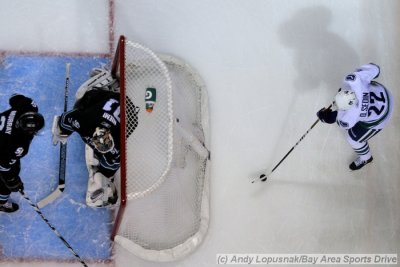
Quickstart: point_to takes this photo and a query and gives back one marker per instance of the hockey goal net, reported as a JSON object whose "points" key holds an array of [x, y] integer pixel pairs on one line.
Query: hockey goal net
{"points": [[164, 188]]}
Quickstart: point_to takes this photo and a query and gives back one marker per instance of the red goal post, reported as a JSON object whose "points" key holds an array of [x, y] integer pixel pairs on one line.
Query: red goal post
{"points": [[165, 162]]}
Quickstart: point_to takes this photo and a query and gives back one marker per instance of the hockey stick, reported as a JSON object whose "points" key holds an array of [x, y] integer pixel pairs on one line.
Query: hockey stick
{"points": [[263, 177], [63, 153], [38, 211]]}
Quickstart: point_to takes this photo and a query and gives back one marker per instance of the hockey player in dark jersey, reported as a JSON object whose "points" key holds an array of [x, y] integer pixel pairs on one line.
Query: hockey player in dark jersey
{"points": [[95, 117], [18, 126]]}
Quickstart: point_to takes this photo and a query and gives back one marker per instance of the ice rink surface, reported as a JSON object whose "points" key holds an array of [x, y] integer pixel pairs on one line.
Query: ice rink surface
{"points": [[269, 66]]}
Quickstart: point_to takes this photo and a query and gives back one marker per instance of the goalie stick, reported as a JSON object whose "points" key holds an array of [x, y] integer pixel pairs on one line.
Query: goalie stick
{"points": [[263, 177], [63, 153]]}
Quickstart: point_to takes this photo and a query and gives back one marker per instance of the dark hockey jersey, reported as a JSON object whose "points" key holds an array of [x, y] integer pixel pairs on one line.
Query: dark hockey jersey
{"points": [[14, 143], [97, 108]]}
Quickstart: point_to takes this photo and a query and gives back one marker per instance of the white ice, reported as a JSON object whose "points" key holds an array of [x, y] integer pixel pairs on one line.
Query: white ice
{"points": [[269, 65]]}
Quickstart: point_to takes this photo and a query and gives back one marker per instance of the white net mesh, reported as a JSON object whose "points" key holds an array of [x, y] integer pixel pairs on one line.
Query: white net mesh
{"points": [[149, 149], [166, 215]]}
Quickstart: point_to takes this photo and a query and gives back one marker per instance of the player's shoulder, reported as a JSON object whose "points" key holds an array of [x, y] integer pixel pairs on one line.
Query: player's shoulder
{"points": [[7, 121], [97, 96]]}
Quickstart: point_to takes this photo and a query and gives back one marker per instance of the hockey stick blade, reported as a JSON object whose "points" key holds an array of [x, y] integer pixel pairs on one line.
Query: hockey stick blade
{"points": [[50, 198], [262, 178], [61, 179]]}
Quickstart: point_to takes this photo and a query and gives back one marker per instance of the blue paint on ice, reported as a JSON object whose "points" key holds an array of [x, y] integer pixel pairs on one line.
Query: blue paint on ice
{"points": [[24, 235]]}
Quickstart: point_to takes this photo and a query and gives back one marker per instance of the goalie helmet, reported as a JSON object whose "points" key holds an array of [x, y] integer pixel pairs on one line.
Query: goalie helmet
{"points": [[103, 140], [30, 122], [345, 99]]}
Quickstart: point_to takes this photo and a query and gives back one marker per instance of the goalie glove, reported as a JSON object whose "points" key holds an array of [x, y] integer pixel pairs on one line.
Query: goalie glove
{"points": [[56, 131]]}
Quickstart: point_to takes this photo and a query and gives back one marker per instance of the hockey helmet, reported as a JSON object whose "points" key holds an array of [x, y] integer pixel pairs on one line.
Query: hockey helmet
{"points": [[345, 99], [30, 122], [103, 140]]}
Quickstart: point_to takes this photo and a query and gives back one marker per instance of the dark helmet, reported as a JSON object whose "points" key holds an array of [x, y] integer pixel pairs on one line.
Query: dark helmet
{"points": [[30, 122]]}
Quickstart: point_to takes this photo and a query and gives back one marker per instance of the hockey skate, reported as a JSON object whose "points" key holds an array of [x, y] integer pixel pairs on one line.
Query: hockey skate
{"points": [[9, 207], [359, 163]]}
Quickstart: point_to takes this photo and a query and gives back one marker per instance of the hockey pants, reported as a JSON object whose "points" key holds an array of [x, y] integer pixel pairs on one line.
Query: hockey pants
{"points": [[358, 139]]}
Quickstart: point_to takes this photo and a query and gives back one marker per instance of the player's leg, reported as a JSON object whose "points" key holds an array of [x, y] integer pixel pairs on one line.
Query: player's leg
{"points": [[108, 171], [101, 190], [5, 204], [358, 138]]}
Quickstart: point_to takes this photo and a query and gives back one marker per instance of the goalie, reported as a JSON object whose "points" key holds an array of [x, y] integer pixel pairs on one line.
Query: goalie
{"points": [[95, 117]]}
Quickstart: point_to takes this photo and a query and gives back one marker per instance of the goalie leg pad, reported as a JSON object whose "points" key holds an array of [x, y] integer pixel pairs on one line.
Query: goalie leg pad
{"points": [[92, 162], [102, 79], [101, 191]]}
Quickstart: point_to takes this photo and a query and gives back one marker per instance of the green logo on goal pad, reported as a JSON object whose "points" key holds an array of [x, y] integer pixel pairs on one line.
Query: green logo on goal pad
{"points": [[150, 99]]}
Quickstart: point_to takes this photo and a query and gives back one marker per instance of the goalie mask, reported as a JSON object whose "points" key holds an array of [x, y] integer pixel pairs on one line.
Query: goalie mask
{"points": [[103, 140], [345, 99], [30, 122]]}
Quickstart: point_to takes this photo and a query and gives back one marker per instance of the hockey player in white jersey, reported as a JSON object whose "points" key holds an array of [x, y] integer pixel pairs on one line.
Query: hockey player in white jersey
{"points": [[362, 107]]}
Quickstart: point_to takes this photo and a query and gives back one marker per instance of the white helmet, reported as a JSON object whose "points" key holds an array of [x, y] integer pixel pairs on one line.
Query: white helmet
{"points": [[345, 99]]}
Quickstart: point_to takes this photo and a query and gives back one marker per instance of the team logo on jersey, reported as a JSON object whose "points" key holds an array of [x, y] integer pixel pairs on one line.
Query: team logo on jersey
{"points": [[19, 151], [76, 124], [33, 104], [150, 99], [351, 77]]}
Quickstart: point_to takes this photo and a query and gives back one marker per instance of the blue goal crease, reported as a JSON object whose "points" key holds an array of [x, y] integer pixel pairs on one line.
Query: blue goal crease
{"points": [[24, 235]]}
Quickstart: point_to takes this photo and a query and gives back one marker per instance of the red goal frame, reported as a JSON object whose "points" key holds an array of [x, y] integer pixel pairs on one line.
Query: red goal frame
{"points": [[118, 69]]}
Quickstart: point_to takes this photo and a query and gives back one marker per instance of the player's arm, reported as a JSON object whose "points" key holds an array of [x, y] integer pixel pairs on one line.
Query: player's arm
{"points": [[23, 103], [365, 73], [369, 71], [62, 127]]}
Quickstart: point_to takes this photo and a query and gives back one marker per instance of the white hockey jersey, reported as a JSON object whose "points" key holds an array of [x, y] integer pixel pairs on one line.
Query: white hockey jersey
{"points": [[375, 103]]}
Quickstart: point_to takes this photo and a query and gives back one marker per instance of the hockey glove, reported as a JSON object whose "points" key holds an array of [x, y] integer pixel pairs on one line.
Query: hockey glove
{"points": [[23, 103], [326, 115], [14, 183], [57, 135]]}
